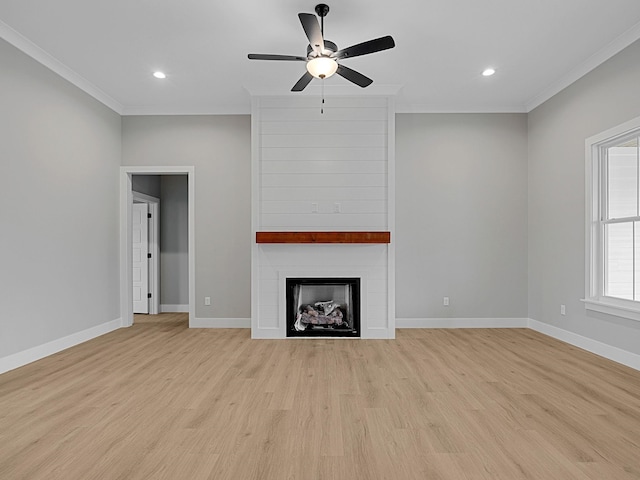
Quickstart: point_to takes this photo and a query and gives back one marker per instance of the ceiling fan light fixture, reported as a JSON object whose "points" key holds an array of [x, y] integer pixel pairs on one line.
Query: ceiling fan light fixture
{"points": [[323, 55], [322, 67]]}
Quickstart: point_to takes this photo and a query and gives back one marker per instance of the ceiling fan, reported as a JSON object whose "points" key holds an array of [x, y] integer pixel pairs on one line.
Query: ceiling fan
{"points": [[323, 55]]}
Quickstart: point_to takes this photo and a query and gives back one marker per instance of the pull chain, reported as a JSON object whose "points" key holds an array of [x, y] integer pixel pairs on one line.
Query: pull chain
{"points": [[322, 33]]}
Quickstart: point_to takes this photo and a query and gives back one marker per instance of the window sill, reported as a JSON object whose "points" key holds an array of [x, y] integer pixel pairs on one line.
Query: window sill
{"points": [[612, 307]]}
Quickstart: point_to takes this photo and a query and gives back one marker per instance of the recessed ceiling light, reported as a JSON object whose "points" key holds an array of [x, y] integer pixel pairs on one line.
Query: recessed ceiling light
{"points": [[159, 75], [488, 72]]}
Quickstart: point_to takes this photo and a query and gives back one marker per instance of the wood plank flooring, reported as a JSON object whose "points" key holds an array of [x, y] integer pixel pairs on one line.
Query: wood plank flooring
{"points": [[161, 401]]}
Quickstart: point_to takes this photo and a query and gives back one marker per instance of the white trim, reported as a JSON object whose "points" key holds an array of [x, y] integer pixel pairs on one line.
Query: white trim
{"points": [[25, 357], [611, 308], [169, 308], [615, 354], [461, 322], [594, 186], [595, 60], [604, 350], [154, 265], [255, 220], [220, 323], [246, 109], [39, 55], [612, 133], [126, 300], [391, 222], [374, 333], [268, 334], [126, 250], [201, 109], [426, 108]]}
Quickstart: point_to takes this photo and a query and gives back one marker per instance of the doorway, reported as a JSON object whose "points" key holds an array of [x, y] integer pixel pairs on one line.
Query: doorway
{"points": [[126, 235]]}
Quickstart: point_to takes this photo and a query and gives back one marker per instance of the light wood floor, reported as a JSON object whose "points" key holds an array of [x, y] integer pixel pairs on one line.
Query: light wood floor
{"points": [[160, 401]]}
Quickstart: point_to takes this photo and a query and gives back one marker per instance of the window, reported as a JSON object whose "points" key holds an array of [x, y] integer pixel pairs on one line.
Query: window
{"points": [[613, 221]]}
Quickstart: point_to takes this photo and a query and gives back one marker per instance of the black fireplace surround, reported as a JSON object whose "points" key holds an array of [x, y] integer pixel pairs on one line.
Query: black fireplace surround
{"points": [[323, 307]]}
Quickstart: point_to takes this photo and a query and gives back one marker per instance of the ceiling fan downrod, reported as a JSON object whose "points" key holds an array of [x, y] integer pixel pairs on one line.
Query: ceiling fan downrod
{"points": [[321, 10]]}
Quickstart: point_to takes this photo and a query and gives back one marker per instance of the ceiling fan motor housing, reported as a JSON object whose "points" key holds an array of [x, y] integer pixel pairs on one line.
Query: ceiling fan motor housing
{"points": [[328, 46]]}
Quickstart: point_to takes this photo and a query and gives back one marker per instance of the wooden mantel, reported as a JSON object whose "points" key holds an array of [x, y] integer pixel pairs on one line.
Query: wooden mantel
{"points": [[323, 237]]}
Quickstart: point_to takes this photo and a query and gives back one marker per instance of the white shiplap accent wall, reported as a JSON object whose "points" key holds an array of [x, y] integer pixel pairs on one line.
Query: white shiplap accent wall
{"points": [[323, 172], [314, 164]]}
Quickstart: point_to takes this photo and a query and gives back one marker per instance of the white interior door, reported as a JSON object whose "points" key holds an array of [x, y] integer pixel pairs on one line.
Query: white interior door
{"points": [[140, 231]]}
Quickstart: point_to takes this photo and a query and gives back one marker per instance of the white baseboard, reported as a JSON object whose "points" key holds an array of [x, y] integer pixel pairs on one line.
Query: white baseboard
{"points": [[168, 308], [36, 353], [461, 322], [607, 351], [220, 323]]}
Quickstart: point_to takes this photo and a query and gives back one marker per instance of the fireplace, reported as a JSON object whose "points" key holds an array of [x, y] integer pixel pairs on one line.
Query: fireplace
{"points": [[322, 213], [325, 307]]}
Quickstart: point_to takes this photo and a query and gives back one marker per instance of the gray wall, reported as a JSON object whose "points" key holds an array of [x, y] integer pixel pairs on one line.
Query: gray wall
{"points": [[219, 147], [174, 240], [147, 184], [461, 206], [462, 209], [606, 97], [60, 156]]}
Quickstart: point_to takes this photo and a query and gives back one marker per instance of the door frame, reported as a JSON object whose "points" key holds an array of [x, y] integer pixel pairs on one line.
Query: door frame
{"points": [[154, 248], [126, 236]]}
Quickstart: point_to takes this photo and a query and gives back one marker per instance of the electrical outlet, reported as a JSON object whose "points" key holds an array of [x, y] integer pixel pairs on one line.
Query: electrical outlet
{"points": [[314, 207], [445, 301], [207, 300], [337, 208], [563, 310]]}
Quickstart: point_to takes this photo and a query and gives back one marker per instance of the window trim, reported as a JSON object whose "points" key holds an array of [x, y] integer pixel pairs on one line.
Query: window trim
{"points": [[595, 299]]}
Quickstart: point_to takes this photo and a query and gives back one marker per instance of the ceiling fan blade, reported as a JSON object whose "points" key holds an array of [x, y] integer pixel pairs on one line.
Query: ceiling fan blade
{"points": [[312, 30], [354, 76], [364, 48], [303, 82], [260, 56]]}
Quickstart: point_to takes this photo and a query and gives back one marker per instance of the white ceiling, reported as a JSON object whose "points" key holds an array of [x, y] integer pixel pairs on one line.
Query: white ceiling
{"points": [[110, 49]]}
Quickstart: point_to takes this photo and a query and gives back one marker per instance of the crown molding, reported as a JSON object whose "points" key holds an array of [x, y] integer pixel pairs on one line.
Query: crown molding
{"points": [[31, 49], [616, 46], [244, 109], [38, 54], [409, 108]]}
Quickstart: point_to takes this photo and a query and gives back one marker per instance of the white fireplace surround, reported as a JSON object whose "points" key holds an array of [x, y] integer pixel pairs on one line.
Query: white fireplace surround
{"points": [[331, 172], [279, 262]]}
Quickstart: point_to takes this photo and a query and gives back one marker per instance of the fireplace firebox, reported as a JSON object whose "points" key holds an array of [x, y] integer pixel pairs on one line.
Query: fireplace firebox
{"points": [[323, 307]]}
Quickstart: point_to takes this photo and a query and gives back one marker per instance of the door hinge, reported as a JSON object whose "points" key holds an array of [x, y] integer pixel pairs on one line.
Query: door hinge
{"points": [[148, 215], [148, 295], [148, 255]]}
